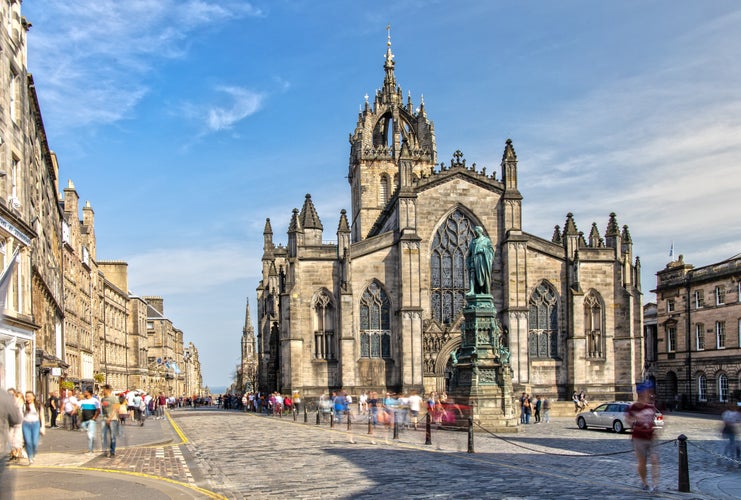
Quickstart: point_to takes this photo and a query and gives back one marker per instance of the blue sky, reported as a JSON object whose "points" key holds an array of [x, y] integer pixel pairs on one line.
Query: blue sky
{"points": [[187, 123]]}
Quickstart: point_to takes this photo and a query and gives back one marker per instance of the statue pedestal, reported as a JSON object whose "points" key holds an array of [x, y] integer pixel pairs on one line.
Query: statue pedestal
{"points": [[482, 380]]}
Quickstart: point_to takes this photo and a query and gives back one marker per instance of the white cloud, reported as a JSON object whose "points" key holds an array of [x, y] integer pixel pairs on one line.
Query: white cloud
{"points": [[92, 68], [177, 271], [660, 148], [243, 103]]}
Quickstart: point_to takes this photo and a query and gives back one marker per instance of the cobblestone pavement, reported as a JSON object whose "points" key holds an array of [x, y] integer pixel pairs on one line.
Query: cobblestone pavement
{"points": [[241, 455], [244, 455]]}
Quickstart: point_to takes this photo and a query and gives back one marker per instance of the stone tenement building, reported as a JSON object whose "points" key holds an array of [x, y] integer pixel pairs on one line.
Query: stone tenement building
{"points": [[697, 345], [66, 317], [380, 308]]}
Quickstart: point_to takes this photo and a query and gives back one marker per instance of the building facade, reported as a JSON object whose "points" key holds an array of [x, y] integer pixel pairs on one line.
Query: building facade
{"points": [[20, 161], [380, 307], [81, 297], [697, 347]]}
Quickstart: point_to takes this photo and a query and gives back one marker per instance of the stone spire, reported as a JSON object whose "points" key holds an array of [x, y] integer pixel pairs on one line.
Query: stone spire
{"points": [[595, 240], [556, 238], [309, 217], [389, 81], [247, 320]]}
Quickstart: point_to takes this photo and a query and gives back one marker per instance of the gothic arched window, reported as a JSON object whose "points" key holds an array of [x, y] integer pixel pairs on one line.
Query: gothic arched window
{"points": [[448, 276], [543, 322], [375, 323], [323, 322], [593, 326], [384, 189]]}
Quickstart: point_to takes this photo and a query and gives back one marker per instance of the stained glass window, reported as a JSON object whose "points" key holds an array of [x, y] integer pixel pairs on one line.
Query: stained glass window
{"points": [[593, 326], [448, 276], [323, 318], [543, 322], [375, 323]]}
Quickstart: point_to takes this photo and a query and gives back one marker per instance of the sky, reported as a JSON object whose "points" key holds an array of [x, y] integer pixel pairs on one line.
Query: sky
{"points": [[186, 123]]}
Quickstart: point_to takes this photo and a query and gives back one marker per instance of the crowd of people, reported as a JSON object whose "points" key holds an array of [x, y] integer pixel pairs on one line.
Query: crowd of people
{"points": [[538, 407]]}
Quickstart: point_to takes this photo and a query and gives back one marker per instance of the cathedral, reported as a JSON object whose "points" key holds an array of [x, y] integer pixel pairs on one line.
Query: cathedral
{"points": [[380, 308]]}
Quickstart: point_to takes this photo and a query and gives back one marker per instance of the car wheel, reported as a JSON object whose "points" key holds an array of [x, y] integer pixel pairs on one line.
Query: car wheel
{"points": [[617, 426], [581, 423]]}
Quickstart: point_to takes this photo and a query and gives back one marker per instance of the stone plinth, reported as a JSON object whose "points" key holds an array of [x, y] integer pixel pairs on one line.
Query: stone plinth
{"points": [[482, 379]]}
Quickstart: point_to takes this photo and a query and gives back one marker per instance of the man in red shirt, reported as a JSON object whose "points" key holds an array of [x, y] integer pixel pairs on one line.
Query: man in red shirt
{"points": [[161, 405], [641, 415]]}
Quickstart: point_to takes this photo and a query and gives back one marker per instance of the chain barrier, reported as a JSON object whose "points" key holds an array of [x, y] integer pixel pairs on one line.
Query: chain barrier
{"points": [[518, 445], [715, 454]]}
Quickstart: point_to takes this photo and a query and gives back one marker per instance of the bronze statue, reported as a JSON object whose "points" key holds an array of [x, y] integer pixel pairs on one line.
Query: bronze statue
{"points": [[478, 262]]}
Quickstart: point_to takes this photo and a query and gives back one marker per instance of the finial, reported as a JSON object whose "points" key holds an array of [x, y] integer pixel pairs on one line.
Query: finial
{"points": [[366, 97], [388, 35]]}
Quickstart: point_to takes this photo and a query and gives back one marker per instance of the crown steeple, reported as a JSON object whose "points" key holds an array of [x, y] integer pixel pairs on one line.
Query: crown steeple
{"points": [[388, 132]]}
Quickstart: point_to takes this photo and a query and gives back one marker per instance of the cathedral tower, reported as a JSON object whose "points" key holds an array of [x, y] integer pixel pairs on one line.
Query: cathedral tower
{"points": [[376, 149]]}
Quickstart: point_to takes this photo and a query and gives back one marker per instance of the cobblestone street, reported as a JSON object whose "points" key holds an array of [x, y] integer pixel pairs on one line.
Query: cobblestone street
{"points": [[227, 454], [243, 455]]}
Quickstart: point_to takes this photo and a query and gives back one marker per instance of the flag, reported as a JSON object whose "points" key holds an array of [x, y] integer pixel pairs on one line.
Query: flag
{"points": [[175, 368], [6, 278], [671, 250]]}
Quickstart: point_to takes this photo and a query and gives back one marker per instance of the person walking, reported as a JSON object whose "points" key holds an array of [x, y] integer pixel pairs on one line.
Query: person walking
{"points": [[90, 408], [15, 433], [109, 407], [9, 417], [53, 409], [546, 409], [33, 425], [641, 417]]}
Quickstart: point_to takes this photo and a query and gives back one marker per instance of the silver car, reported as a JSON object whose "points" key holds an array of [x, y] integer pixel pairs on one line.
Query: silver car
{"points": [[611, 416]]}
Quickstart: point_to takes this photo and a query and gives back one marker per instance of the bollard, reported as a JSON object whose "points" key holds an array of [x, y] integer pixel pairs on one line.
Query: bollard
{"points": [[317, 417], [306, 415], [294, 414], [683, 483], [470, 434], [428, 430], [349, 424], [331, 420], [370, 424], [396, 425]]}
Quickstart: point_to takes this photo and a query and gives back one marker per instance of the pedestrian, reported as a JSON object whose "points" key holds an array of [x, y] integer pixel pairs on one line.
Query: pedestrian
{"points": [[9, 418], [53, 409], [34, 425], [109, 407], [527, 407], [15, 434], [546, 409], [70, 407], [538, 404], [730, 423], [641, 416], [90, 408], [415, 404], [522, 408]]}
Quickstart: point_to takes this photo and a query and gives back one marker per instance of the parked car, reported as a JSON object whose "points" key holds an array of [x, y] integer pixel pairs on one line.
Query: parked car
{"points": [[611, 416]]}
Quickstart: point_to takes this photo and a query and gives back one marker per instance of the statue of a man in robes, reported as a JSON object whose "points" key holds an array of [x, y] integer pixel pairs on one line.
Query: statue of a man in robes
{"points": [[478, 262]]}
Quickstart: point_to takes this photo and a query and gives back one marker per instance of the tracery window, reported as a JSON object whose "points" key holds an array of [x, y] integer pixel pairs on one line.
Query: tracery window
{"points": [[375, 323], [593, 326], [543, 322], [323, 319], [448, 276]]}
